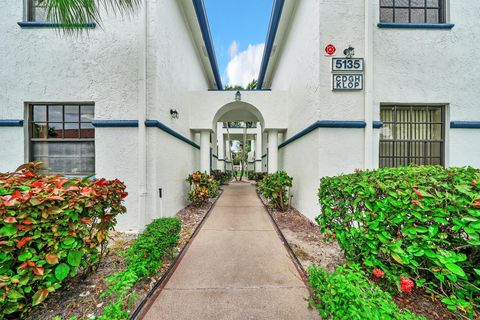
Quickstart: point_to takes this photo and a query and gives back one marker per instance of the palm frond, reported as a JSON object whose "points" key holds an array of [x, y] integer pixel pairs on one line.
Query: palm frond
{"points": [[73, 15]]}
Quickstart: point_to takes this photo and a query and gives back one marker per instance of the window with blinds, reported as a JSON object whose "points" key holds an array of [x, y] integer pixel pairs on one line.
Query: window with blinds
{"points": [[412, 135], [412, 11], [63, 138]]}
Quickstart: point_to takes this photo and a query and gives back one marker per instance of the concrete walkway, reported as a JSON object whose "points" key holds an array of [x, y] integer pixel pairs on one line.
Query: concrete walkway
{"points": [[236, 268]]}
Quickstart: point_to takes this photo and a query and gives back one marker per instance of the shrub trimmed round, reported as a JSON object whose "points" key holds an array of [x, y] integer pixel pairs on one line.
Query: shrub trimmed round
{"points": [[418, 222]]}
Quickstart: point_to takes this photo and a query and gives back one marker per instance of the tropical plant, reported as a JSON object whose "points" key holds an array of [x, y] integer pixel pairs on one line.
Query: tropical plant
{"points": [[51, 228], [73, 14], [202, 187], [348, 294], [144, 258], [275, 187], [421, 223], [221, 177]]}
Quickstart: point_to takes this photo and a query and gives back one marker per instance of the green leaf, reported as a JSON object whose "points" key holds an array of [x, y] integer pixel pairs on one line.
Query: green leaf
{"points": [[432, 230], [8, 230], [452, 267], [15, 294], [74, 257], [25, 256], [397, 258], [39, 296], [62, 271]]}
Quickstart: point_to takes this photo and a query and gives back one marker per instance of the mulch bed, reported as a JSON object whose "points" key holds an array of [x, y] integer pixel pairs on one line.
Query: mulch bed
{"points": [[307, 243], [80, 297]]}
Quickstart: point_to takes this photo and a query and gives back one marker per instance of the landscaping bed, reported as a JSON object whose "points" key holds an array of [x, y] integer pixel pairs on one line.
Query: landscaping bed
{"points": [[80, 297]]}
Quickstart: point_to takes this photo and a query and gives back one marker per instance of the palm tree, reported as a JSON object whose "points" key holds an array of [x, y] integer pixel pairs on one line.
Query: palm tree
{"points": [[73, 14]]}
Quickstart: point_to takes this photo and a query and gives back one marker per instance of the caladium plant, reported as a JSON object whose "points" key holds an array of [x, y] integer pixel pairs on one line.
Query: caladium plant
{"points": [[51, 228]]}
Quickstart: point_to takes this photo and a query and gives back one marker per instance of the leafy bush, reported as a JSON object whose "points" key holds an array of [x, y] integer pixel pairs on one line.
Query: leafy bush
{"points": [[144, 258], [221, 177], [256, 176], [51, 228], [275, 188], [348, 294], [418, 222], [202, 187]]}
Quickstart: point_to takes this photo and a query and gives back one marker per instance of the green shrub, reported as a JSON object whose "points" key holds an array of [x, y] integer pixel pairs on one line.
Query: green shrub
{"points": [[144, 258], [275, 188], [221, 177], [348, 294], [51, 228], [256, 176], [202, 187], [419, 222]]}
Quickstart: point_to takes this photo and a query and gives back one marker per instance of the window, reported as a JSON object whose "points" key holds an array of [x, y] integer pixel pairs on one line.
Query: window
{"points": [[412, 11], [62, 136], [36, 10], [412, 135]]}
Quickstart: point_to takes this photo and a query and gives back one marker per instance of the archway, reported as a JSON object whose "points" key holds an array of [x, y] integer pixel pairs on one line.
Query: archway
{"points": [[238, 129]]}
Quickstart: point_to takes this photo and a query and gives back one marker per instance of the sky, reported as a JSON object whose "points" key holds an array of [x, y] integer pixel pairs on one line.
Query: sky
{"points": [[238, 29]]}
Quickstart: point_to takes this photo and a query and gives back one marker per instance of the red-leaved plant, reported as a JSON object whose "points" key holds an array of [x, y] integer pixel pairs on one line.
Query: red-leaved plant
{"points": [[51, 228]]}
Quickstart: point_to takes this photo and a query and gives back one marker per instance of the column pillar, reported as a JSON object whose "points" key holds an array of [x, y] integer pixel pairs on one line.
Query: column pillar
{"points": [[221, 152], [205, 151], [272, 151], [258, 149]]}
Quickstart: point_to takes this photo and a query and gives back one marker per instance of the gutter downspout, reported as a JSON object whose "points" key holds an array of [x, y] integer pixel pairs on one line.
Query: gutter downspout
{"points": [[368, 103], [142, 112]]}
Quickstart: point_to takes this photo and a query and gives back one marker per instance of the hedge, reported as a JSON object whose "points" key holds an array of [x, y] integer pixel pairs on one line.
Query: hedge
{"points": [[275, 187], [144, 258], [51, 228], [348, 294], [415, 222]]}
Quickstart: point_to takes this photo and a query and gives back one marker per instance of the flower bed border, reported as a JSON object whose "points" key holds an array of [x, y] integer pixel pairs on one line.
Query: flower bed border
{"points": [[148, 300]]}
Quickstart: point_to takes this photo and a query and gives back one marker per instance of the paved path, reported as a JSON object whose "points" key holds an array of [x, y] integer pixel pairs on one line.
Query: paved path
{"points": [[236, 268]]}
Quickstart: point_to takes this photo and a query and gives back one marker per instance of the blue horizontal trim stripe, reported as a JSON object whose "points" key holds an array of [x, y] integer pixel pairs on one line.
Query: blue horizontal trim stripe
{"points": [[395, 25], [323, 124], [161, 126], [272, 32], [11, 123], [465, 124], [115, 123], [377, 124], [207, 39], [38, 24]]}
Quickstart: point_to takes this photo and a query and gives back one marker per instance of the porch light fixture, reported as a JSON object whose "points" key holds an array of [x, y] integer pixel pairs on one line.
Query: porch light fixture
{"points": [[173, 114], [238, 96]]}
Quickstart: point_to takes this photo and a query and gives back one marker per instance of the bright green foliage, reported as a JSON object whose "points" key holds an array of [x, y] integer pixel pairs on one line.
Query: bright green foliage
{"points": [[348, 294], [221, 177], [421, 222], [275, 187], [202, 187], [51, 228], [144, 257]]}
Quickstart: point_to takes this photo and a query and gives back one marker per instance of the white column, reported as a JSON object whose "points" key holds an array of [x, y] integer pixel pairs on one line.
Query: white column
{"points": [[258, 152], [221, 149], [205, 151], [272, 151]]}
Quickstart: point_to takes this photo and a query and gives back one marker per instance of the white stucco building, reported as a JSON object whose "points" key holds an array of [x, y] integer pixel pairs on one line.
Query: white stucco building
{"points": [[103, 101]]}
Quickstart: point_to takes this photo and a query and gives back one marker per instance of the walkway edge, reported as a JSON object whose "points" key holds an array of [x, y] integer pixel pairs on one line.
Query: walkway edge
{"points": [[146, 303], [290, 251]]}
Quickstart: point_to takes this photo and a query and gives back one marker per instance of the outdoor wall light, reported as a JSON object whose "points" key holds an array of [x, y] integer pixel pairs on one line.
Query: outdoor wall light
{"points": [[174, 114], [349, 52], [238, 96]]}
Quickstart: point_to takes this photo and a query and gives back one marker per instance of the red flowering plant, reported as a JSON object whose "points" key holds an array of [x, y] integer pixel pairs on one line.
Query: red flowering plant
{"points": [[406, 285], [51, 228], [378, 273], [421, 221]]}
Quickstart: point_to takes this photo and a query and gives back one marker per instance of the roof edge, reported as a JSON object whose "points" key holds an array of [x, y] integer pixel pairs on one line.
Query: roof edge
{"points": [[272, 32], [201, 13]]}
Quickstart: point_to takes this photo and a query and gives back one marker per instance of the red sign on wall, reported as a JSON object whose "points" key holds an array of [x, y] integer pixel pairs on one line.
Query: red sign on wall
{"points": [[330, 49]]}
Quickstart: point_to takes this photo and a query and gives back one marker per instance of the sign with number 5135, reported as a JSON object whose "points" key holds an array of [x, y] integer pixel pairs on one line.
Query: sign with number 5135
{"points": [[345, 64]]}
